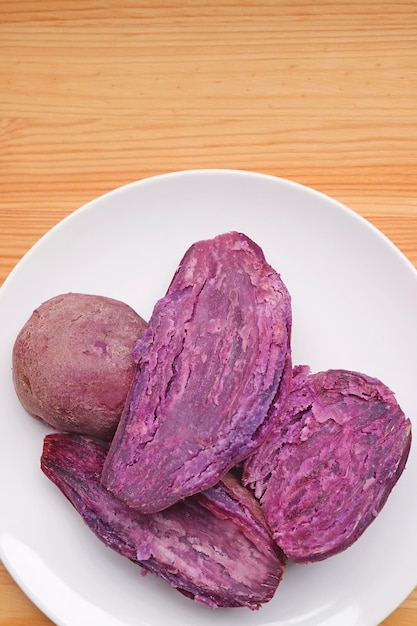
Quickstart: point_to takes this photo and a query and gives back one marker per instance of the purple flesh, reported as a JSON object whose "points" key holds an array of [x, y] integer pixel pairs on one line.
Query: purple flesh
{"points": [[214, 367], [327, 469], [214, 547]]}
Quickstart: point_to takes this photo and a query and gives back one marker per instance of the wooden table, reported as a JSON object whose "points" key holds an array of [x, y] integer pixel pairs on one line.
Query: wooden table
{"points": [[97, 94]]}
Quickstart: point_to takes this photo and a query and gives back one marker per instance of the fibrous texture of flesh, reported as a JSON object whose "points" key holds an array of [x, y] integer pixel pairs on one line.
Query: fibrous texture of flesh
{"points": [[214, 547], [213, 368], [327, 469]]}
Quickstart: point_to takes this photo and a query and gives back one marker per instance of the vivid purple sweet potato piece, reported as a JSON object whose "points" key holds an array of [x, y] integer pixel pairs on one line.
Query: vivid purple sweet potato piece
{"points": [[214, 547], [327, 469], [213, 368]]}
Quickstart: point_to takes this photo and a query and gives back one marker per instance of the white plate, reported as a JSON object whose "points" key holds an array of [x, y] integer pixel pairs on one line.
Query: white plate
{"points": [[354, 306]]}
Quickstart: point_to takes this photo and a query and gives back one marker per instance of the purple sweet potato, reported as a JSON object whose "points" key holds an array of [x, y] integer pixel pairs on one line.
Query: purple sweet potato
{"points": [[331, 462], [214, 547], [213, 368], [72, 362]]}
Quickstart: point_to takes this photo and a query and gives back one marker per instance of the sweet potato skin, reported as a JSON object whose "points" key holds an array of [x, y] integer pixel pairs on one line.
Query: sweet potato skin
{"points": [[72, 365], [214, 547]]}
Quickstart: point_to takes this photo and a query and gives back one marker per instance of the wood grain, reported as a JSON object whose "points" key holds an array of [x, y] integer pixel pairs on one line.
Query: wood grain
{"points": [[97, 94]]}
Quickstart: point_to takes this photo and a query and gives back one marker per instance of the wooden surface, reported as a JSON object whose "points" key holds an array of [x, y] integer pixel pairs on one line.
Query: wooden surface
{"points": [[97, 94]]}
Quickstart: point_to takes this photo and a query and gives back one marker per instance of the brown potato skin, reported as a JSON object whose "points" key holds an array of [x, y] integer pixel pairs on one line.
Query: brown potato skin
{"points": [[72, 364]]}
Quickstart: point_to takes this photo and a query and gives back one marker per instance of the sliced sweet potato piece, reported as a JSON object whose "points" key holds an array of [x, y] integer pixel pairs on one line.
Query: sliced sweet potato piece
{"points": [[214, 547], [213, 368], [329, 466]]}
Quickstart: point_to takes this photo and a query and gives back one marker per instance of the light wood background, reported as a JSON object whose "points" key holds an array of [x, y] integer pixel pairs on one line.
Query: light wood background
{"points": [[95, 94]]}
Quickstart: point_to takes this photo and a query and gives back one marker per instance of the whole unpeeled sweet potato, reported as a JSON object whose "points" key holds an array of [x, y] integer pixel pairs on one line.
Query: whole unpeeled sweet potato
{"points": [[72, 365]]}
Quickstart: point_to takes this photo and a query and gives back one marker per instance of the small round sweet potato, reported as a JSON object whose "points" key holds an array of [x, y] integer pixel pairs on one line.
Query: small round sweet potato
{"points": [[72, 364]]}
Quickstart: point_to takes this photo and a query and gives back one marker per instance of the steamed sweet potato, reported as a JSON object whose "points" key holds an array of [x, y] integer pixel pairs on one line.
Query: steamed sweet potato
{"points": [[214, 547], [72, 364], [331, 462], [213, 365]]}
